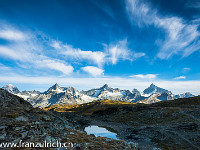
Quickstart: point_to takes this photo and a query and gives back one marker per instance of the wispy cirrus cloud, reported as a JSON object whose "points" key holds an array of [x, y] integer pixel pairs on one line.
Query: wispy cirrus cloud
{"points": [[111, 54], [119, 51], [180, 77], [24, 47], [4, 68], [11, 35], [96, 57], [182, 38], [144, 76], [186, 70], [7, 32]]}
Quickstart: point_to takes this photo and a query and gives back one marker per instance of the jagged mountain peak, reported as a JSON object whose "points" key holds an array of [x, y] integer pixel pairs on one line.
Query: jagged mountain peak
{"points": [[71, 89], [155, 89], [11, 89], [105, 86], [184, 95], [135, 91], [153, 85], [54, 87]]}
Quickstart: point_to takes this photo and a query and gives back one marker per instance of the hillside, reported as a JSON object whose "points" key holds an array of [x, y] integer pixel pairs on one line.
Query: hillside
{"points": [[20, 121], [89, 108], [169, 124]]}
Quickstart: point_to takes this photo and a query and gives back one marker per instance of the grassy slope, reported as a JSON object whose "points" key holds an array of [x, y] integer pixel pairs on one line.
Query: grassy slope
{"points": [[89, 108], [170, 124]]}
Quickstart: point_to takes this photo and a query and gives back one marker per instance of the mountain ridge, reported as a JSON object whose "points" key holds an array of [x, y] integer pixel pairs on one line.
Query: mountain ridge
{"points": [[69, 95]]}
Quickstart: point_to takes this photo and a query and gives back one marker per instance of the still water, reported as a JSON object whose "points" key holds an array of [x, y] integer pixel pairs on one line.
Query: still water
{"points": [[100, 131]]}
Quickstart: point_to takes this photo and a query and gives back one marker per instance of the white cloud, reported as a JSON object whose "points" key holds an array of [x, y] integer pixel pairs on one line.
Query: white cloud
{"points": [[138, 55], [36, 60], [31, 53], [180, 77], [55, 65], [94, 71], [7, 52], [186, 70], [181, 38], [56, 45], [142, 76], [9, 34], [96, 57], [119, 51], [112, 53], [4, 68]]}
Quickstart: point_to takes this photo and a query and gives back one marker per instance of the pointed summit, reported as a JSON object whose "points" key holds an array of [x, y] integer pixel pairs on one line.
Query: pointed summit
{"points": [[105, 86], [54, 87], [152, 85], [11, 89], [155, 89]]}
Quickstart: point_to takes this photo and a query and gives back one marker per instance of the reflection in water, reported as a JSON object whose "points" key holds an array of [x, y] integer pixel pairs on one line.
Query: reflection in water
{"points": [[100, 131]]}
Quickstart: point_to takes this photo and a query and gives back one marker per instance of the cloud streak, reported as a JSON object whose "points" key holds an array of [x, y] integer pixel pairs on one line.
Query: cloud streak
{"points": [[144, 76], [111, 54], [94, 71], [180, 77], [9, 33], [119, 51], [96, 57], [30, 51], [181, 38]]}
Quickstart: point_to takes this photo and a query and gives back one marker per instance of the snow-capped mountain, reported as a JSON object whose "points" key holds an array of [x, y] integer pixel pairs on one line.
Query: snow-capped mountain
{"points": [[55, 89], [106, 92], [154, 89], [28, 94], [151, 99], [69, 95], [59, 95], [184, 95], [155, 94], [24, 94], [11, 89], [156, 97]]}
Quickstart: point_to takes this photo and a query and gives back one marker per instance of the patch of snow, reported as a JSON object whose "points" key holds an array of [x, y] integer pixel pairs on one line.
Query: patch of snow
{"points": [[114, 94], [60, 91], [33, 95], [87, 98], [25, 97]]}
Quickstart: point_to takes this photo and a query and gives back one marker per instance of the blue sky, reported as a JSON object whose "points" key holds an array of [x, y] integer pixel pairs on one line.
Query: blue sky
{"points": [[87, 43]]}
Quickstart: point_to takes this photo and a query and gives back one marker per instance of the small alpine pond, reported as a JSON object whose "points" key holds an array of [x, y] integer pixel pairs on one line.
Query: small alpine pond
{"points": [[100, 131]]}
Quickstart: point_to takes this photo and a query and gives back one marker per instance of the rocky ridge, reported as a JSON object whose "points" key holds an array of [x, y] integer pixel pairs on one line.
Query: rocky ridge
{"points": [[69, 95]]}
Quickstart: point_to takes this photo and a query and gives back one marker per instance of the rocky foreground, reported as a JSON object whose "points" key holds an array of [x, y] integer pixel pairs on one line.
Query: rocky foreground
{"points": [[21, 123], [166, 125]]}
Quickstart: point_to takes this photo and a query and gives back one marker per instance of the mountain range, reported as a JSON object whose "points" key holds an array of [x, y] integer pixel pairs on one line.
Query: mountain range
{"points": [[69, 95]]}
